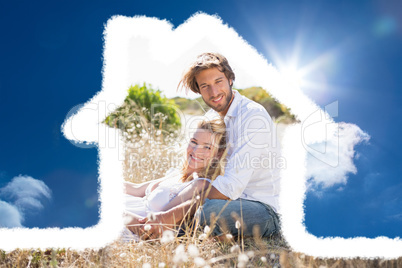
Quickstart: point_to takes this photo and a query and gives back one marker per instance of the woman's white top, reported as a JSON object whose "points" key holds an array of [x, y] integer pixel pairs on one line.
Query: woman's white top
{"points": [[155, 200]]}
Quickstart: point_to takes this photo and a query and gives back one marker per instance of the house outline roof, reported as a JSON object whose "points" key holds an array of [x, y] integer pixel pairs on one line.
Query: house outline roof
{"points": [[156, 45]]}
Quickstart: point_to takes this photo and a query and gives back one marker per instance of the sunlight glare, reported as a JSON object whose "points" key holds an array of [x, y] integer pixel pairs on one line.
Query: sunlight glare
{"points": [[292, 75]]}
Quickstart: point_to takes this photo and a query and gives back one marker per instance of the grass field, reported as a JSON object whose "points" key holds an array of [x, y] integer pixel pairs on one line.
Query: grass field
{"points": [[148, 156]]}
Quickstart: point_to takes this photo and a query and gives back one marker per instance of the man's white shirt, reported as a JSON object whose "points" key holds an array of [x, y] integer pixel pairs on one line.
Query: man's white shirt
{"points": [[253, 159]]}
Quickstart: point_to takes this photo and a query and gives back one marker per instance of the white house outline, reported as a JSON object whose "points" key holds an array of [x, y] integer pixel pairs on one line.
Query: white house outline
{"points": [[156, 47]]}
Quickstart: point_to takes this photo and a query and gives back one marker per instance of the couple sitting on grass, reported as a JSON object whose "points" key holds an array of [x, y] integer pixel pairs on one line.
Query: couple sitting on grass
{"points": [[230, 175]]}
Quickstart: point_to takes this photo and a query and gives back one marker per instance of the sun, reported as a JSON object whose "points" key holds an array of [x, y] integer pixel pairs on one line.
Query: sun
{"points": [[309, 75]]}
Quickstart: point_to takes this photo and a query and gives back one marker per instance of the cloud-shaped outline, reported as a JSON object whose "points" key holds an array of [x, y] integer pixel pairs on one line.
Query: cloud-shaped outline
{"points": [[199, 33]]}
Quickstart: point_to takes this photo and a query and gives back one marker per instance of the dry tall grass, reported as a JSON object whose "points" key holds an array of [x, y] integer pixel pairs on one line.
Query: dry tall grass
{"points": [[148, 156]]}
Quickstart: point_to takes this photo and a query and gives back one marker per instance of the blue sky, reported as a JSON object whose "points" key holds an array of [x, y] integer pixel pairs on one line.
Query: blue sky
{"points": [[51, 56]]}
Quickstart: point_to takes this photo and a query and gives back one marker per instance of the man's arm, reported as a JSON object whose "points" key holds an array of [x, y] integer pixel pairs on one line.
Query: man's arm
{"points": [[201, 188], [252, 144], [215, 194]]}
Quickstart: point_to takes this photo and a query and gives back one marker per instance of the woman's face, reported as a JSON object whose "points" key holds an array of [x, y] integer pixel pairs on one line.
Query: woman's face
{"points": [[200, 150]]}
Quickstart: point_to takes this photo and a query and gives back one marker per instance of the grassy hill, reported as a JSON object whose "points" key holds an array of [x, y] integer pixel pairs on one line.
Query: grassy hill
{"points": [[279, 112]]}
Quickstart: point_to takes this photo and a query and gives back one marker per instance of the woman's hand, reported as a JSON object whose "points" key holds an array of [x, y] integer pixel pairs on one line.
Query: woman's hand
{"points": [[154, 226], [131, 222], [144, 227]]}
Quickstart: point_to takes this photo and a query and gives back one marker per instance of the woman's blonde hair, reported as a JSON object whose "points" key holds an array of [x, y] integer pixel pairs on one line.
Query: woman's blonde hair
{"points": [[203, 62], [216, 164]]}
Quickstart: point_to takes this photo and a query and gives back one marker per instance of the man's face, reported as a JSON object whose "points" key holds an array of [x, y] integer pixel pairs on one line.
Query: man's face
{"points": [[215, 89]]}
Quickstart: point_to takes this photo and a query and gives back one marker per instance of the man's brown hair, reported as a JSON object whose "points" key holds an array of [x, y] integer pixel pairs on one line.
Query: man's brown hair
{"points": [[203, 62]]}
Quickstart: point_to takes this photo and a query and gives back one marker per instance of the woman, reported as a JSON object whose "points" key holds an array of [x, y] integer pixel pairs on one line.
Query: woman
{"points": [[205, 154]]}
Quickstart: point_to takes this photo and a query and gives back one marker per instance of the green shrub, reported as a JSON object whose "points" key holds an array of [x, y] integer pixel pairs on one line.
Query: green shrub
{"points": [[145, 107], [276, 110]]}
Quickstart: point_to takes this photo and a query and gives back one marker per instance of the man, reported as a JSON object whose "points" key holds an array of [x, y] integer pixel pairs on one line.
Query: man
{"points": [[251, 180]]}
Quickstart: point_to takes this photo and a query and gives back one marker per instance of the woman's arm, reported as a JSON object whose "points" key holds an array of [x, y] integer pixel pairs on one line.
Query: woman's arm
{"points": [[135, 189], [169, 219], [185, 204], [190, 192], [182, 205]]}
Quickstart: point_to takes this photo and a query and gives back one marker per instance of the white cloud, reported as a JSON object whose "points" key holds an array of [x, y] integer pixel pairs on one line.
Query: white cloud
{"points": [[10, 215], [330, 148], [23, 194], [329, 162]]}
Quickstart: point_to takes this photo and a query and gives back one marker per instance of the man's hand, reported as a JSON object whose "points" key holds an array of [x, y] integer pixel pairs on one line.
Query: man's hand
{"points": [[215, 194]]}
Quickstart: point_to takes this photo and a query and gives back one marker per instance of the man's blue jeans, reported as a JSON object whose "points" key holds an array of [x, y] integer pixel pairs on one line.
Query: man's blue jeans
{"points": [[259, 219]]}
